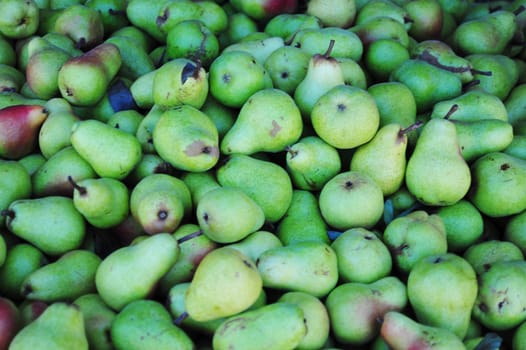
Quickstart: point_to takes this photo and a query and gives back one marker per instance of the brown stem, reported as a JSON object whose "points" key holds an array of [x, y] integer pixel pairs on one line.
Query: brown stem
{"points": [[411, 128], [327, 53], [519, 10], [429, 58], [8, 213], [82, 190], [189, 236], [487, 73], [452, 110], [181, 318]]}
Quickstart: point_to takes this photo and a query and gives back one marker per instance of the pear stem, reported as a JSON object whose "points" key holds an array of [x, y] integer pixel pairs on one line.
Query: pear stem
{"points": [[471, 83], [82, 190], [327, 53], [487, 73], [181, 318], [519, 10], [452, 110], [411, 127], [190, 236], [8, 213]]}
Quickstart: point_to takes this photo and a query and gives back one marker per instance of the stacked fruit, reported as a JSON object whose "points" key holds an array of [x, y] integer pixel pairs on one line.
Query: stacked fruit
{"points": [[260, 174]]}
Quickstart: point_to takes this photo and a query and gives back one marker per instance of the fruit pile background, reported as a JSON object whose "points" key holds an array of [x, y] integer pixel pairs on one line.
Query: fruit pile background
{"points": [[261, 174]]}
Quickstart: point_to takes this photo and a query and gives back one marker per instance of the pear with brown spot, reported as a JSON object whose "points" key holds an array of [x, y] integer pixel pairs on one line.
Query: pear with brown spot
{"points": [[269, 121]]}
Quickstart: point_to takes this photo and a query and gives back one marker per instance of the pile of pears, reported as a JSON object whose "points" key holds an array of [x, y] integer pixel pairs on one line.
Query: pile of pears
{"points": [[262, 175]]}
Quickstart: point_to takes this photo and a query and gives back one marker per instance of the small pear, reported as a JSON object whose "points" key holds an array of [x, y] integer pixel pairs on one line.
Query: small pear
{"points": [[256, 243], [269, 121], [287, 66], [225, 283], [200, 183], [340, 14], [15, 183], [55, 132], [483, 254], [98, 318], [83, 24]]}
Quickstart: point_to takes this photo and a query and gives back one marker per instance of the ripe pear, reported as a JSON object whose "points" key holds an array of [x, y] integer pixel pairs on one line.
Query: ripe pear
{"points": [[131, 272], [225, 283], [269, 121], [19, 20], [449, 179], [135, 59], [10, 321], [286, 25], [83, 24], [287, 66], [15, 183], [110, 151], [504, 73]]}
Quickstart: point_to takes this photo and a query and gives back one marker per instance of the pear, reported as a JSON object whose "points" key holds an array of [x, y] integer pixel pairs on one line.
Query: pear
{"points": [[323, 73], [20, 125], [383, 158], [316, 318], [311, 162], [275, 326], [54, 134], [197, 146], [15, 183], [262, 10], [126, 120], [257, 243], [345, 117], [514, 230], [11, 79], [381, 27], [171, 14], [83, 24], [19, 20], [225, 283], [308, 266], [10, 320], [113, 14], [98, 318], [504, 73], [135, 60], [21, 260], [227, 77], [267, 183], [292, 228], [143, 15], [261, 49], [111, 152], [498, 175], [434, 303], [341, 14], [427, 16], [51, 178], [379, 8], [32, 162], [371, 259], [200, 183], [159, 202], [286, 25], [519, 337], [450, 178], [383, 56], [83, 80], [144, 133], [104, 202], [500, 303], [269, 121], [147, 325], [287, 66], [60, 326], [354, 308], [514, 104], [50, 223], [219, 212], [65, 279], [464, 225], [395, 103], [409, 238], [315, 41], [482, 255], [222, 116], [150, 258], [473, 105], [351, 199], [400, 332]]}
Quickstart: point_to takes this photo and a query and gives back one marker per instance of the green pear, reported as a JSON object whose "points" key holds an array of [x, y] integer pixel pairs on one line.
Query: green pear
{"points": [[83, 80], [383, 56], [519, 337], [144, 133], [311, 162], [147, 325], [514, 104], [500, 302], [180, 81], [308, 266], [219, 212], [381, 27], [315, 41], [172, 13], [19, 20], [21, 260], [442, 290], [222, 116], [143, 15], [65, 279], [498, 176], [225, 283], [200, 183], [256, 243], [104, 202], [276, 326], [83, 24], [191, 134], [112, 12], [286, 25], [449, 178], [354, 73], [413, 237], [351, 199], [287, 66], [472, 105], [149, 164], [323, 73], [8, 54], [345, 117], [482, 255], [12, 79], [316, 318], [15, 183], [340, 14], [32, 162], [117, 278], [54, 134], [268, 121], [379, 8], [354, 308], [427, 16], [267, 183], [304, 208], [135, 60], [239, 26], [400, 332], [51, 178], [514, 230], [260, 49], [98, 318], [371, 259], [383, 158], [504, 73], [464, 225], [126, 120], [227, 77], [214, 16], [60, 326], [110, 151], [159, 202], [51, 223], [395, 103]]}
